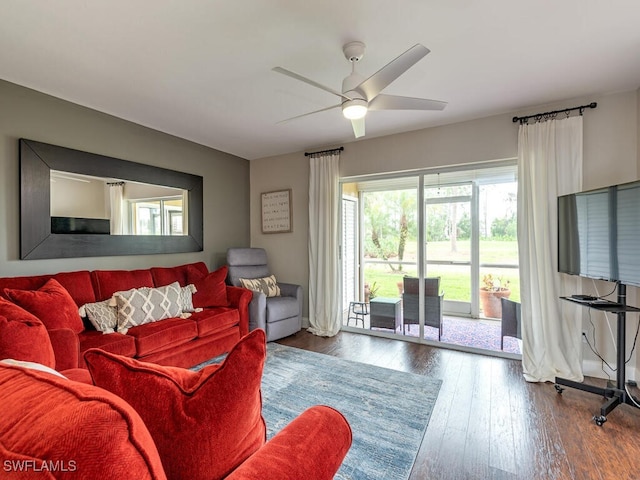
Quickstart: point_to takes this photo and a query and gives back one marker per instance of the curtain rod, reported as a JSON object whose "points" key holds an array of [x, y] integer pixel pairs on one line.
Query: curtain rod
{"points": [[547, 115], [339, 149]]}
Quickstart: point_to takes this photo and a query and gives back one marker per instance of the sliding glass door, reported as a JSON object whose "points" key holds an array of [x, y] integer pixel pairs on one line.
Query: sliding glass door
{"points": [[448, 242], [416, 248]]}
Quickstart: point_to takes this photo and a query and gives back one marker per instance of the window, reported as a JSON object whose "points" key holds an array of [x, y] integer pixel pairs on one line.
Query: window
{"points": [[162, 216]]}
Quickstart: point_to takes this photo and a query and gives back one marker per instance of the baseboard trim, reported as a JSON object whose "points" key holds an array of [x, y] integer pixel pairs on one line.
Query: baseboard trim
{"points": [[593, 368]]}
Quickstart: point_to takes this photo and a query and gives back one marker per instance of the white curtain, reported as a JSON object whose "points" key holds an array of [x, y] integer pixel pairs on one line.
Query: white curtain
{"points": [[116, 198], [185, 212], [549, 164], [324, 289]]}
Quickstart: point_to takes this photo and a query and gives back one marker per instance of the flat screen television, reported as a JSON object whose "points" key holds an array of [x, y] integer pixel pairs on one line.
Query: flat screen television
{"points": [[599, 233]]}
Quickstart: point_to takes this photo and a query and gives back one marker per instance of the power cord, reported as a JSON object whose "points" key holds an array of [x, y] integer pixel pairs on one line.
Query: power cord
{"points": [[603, 361], [593, 349], [633, 400], [606, 295], [635, 339]]}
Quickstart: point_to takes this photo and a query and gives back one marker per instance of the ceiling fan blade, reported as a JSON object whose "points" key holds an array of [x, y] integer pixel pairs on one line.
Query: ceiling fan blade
{"points": [[308, 81], [394, 102], [310, 113], [358, 127], [377, 82]]}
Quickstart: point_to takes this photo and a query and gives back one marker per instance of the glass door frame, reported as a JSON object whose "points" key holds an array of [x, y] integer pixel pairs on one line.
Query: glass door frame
{"points": [[457, 307]]}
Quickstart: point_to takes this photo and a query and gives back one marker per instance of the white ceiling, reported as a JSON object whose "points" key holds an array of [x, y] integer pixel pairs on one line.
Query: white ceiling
{"points": [[201, 69]]}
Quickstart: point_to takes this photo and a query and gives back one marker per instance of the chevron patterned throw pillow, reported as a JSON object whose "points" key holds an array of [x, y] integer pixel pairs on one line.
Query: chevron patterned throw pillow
{"points": [[267, 285]]}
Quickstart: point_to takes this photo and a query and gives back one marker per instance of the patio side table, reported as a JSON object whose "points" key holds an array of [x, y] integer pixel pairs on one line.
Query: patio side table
{"points": [[385, 313]]}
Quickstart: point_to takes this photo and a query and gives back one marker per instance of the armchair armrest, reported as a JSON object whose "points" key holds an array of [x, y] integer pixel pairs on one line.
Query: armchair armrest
{"points": [[258, 311], [292, 290], [66, 348], [239, 298], [311, 446]]}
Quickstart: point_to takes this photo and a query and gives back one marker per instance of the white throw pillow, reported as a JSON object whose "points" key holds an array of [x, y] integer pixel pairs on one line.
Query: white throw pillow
{"points": [[101, 315], [32, 366], [267, 285], [145, 305]]}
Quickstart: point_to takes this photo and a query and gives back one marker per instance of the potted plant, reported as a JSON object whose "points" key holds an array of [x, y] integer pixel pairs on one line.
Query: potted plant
{"points": [[492, 290], [370, 291]]}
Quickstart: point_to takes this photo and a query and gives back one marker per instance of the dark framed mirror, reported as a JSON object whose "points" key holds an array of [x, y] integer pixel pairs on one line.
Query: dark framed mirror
{"points": [[37, 240]]}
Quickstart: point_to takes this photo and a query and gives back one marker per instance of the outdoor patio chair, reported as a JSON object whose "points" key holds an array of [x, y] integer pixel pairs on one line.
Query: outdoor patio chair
{"points": [[511, 320], [433, 299]]}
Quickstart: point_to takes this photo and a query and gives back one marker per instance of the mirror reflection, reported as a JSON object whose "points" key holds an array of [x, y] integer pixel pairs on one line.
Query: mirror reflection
{"points": [[84, 204]]}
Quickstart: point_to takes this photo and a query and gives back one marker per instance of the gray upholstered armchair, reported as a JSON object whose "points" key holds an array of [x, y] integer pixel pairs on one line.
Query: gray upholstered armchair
{"points": [[279, 316]]}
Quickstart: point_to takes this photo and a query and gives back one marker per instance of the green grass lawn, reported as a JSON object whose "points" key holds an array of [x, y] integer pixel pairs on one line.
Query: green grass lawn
{"points": [[454, 279]]}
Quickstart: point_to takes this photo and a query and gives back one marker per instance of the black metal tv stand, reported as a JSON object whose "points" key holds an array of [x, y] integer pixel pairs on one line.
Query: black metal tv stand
{"points": [[615, 393]]}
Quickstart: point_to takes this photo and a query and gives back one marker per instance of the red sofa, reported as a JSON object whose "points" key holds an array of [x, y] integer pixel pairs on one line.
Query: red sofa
{"points": [[182, 342], [146, 421]]}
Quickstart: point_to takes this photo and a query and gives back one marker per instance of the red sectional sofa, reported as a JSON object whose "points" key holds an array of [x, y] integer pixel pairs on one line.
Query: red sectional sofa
{"points": [[181, 342], [146, 421]]}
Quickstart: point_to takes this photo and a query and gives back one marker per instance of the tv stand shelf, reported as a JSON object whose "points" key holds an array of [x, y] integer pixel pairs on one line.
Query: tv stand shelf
{"points": [[615, 394], [604, 305]]}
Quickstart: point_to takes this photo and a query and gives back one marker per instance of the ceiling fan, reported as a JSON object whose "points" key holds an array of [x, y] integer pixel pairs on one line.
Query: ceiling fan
{"points": [[359, 95]]}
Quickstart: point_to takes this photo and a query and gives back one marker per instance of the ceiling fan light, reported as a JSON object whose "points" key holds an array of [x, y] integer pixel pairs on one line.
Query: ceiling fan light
{"points": [[354, 109]]}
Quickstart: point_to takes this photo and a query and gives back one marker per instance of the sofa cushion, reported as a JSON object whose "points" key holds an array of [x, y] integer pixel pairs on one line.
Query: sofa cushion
{"points": [[204, 423], [211, 290], [23, 283], [51, 303], [145, 305], [114, 343], [267, 285], [78, 375], [66, 348], [108, 282], [23, 336], [78, 284], [166, 275], [157, 336], [214, 320], [46, 418]]}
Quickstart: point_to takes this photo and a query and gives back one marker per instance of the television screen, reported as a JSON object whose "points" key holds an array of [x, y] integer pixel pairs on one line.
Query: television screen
{"points": [[599, 233]]}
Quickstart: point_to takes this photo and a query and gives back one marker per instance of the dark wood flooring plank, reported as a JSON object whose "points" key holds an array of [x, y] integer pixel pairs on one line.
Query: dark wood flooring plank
{"points": [[501, 437], [477, 440], [525, 421], [489, 423]]}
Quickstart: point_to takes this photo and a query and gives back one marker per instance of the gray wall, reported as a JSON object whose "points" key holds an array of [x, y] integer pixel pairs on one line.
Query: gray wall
{"points": [[29, 114], [611, 146]]}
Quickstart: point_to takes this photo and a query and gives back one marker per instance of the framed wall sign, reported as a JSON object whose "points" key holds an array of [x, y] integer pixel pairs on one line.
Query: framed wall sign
{"points": [[276, 211]]}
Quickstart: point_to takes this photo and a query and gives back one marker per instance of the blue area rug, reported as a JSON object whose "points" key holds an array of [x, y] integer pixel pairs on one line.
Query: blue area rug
{"points": [[388, 410]]}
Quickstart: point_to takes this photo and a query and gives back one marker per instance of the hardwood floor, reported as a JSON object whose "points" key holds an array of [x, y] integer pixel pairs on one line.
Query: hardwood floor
{"points": [[489, 423]]}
